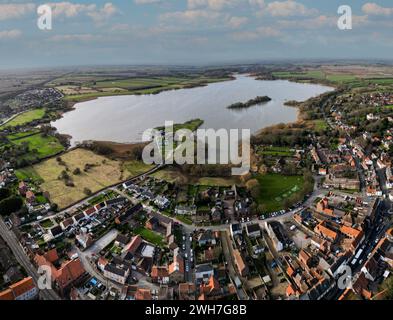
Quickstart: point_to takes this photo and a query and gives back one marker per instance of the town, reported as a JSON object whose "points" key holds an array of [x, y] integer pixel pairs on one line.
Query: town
{"points": [[317, 200]]}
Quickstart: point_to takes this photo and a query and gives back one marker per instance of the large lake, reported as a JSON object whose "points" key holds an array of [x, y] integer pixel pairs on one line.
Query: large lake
{"points": [[124, 118]]}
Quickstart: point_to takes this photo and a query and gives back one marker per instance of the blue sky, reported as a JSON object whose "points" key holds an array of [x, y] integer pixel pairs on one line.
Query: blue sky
{"points": [[191, 31]]}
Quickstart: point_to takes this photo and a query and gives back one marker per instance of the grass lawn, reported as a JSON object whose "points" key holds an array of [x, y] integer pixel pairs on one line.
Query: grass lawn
{"points": [[217, 182], [20, 135], [40, 146], [47, 224], [275, 188], [184, 219], [28, 173], [150, 236], [24, 118]]}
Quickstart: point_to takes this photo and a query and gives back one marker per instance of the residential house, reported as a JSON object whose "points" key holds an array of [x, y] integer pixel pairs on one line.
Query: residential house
{"points": [[203, 272], [240, 264], [253, 230], [117, 273], [22, 290]]}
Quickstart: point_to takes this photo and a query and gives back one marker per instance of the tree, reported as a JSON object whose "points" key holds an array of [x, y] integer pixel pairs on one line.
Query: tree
{"points": [[4, 193], [77, 171], [87, 191], [10, 205]]}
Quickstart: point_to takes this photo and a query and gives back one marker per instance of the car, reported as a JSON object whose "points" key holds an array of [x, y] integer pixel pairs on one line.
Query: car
{"points": [[184, 246], [186, 255], [248, 219], [190, 238], [187, 268], [184, 238]]}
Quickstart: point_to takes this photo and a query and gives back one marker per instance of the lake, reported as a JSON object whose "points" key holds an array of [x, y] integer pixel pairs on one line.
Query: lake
{"points": [[124, 118]]}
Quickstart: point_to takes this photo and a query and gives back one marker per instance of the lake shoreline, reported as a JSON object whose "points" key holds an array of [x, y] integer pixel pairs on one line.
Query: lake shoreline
{"points": [[298, 115]]}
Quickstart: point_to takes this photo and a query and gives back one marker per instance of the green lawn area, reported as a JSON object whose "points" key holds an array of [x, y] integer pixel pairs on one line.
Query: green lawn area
{"points": [[184, 219], [275, 188], [150, 236], [19, 135], [46, 224], [277, 151], [43, 146], [28, 173], [25, 117]]}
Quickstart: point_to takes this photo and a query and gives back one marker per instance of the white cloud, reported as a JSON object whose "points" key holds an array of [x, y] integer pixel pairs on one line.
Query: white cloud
{"points": [[11, 11], [191, 16], [211, 4], [70, 10], [372, 8], [237, 22], [10, 34], [289, 8]]}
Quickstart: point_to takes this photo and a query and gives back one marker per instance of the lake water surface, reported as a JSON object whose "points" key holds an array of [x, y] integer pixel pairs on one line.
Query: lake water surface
{"points": [[124, 118]]}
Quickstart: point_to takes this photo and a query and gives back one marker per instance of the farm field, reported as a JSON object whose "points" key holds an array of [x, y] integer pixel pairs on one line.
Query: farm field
{"points": [[153, 85], [135, 168], [103, 172], [25, 118], [275, 188]]}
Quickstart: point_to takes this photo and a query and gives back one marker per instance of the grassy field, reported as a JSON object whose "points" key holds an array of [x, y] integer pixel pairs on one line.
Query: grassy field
{"points": [[105, 172], [317, 75], [219, 182], [40, 146], [150, 236], [135, 168], [25, 118], [189, 125], [275, 188], [276, 152]]}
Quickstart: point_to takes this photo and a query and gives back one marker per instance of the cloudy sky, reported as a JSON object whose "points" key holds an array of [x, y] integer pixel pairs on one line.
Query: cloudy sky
{"points": [[191, 31]]}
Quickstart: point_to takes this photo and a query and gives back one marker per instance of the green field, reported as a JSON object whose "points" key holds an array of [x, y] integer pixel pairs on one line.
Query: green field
{"points": [[152, 85], [135, 168], [27, 174], [275, 188], [276, 151], [317, 75], [150, 236], [19, 135], [40, 146], [191, 125], [25, 118]]}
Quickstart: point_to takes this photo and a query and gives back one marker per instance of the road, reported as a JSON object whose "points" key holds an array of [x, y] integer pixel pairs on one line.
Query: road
{"points": [[24, 260]]}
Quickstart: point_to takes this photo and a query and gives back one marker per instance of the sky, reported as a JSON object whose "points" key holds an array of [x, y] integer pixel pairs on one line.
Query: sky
{"points": [[134, 32]]}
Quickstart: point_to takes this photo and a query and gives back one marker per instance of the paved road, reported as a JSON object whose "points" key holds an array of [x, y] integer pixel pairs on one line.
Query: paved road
{"points": [[24, 260]]}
